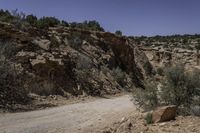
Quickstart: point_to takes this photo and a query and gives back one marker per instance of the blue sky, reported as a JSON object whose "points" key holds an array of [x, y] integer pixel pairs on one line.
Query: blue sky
{"points": [[132, 17]]}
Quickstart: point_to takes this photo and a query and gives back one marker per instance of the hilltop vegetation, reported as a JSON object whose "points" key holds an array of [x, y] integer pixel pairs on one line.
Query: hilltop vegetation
{"points": [[174, 41], [23, 21]]}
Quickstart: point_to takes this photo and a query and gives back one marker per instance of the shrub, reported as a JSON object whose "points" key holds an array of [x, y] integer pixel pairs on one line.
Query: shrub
{"points": [[7, 50], [119, 75], [31, 19], [195, 110], [160, 71], [148, 98], [12, 89], [46, 22], [179, 88], [18, 15], [64, 23], [94, 25], [5, 16], [75, 41], [118, 33], [20, 20], [148, 68], [45, 88], [148, 118], [84, 74], [88, 25]]}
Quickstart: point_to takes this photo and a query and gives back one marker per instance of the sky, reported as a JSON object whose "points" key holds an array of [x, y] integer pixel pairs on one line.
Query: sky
{"points": [[132, 17]]}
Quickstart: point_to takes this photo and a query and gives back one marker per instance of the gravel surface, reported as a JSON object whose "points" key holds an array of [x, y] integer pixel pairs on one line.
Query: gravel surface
{"points": [[74, 118]]}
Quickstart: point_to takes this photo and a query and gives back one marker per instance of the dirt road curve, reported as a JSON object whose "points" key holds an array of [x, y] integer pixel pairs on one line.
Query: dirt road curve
{"points": [[74, 118]]}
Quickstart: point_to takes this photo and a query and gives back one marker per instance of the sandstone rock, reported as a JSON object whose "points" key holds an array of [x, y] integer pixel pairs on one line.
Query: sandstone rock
{"points": [[123, 119], [165, 113], [58, 64], [43, 43], [58, 39], [24, 53], [66, 41], [39, 59]]}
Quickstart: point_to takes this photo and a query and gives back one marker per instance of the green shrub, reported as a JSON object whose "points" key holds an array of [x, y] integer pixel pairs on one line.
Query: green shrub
{"points": [[46, 22], [179, 88], [5, 16], [160, 71], [87, 25], [7, 50], [119, 75], [31, 19], [64, 23], [84, 75], [93, 25], [148, 68], [118, 33], [75, 40], [148, 118], [147, 98], [19, 19], [12, 89]]}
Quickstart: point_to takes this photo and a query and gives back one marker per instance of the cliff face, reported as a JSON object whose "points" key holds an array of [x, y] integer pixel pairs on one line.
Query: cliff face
{"points": [[72, 61], [165, 51], [161, 57]]}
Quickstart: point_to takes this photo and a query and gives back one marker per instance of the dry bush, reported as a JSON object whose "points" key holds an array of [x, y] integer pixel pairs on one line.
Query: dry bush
{"points": [[75, 41], [85, 75], [195, 110], [179, 88], [45, 88], [160, 71], [119, 75], [148, 98], [12, 89]]}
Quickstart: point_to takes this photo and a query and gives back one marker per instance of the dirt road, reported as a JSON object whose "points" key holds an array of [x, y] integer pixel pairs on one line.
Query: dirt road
{"points": [[74, 118]]}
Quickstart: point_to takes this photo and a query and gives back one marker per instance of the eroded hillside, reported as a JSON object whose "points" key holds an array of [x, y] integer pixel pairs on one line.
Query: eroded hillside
{"points": [[168, 50], [69, 61]]}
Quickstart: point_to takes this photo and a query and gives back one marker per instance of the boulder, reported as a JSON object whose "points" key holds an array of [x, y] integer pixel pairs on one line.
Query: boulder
{"points": [[43, 43], [165, 113]]}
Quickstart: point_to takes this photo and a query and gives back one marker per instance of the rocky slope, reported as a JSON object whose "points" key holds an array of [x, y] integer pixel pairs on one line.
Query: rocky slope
{"points": [[68, 61], [168, 50], [136, 124]]}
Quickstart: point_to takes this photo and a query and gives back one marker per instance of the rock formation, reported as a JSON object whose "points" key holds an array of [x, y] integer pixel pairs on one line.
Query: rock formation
{"points": [[76, 61]]}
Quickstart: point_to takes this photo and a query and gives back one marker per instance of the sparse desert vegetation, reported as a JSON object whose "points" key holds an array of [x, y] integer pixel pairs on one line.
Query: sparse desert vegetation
{"points": [[45, 62], [68, 60], [178, 87]]}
